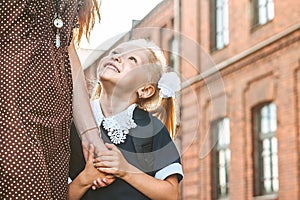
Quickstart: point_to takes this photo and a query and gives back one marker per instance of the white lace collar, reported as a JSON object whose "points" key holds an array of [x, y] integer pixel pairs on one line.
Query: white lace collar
{"points": [[117, 126]]}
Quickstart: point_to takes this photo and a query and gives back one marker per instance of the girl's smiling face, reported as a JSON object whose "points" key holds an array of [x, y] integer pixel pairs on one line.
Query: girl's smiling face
{"points": [[126, 66]]}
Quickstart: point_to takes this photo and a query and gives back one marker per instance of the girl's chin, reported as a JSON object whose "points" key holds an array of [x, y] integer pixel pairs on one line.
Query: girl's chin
{"points": [[107, 80], [107, 75]]}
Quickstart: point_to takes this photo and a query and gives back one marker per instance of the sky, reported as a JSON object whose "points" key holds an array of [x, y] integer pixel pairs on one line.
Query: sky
{"points": [[116, 19]]}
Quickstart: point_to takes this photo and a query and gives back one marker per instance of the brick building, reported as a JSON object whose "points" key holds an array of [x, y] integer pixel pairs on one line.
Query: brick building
{"points": [[243, 90], [239, 107]]}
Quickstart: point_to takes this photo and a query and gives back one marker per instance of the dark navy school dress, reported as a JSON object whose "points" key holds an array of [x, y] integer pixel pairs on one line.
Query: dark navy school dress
{"points": [[148, 147]]}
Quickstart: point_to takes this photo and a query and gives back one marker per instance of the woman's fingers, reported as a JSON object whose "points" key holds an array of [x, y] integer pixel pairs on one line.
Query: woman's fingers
{"points": [[85, 151], [91, 153]]}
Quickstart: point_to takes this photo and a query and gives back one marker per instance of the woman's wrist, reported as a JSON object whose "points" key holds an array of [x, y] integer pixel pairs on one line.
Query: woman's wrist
{"points": [[87, 130], [93, 137]]}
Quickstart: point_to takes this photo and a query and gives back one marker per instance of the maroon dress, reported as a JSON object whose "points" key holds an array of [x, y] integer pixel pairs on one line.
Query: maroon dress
{"points": [[35, 99]]}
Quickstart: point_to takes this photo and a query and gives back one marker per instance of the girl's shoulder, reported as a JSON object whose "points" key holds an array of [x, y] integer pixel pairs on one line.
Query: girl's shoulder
{"points": [[146, 119], [143, 117]]}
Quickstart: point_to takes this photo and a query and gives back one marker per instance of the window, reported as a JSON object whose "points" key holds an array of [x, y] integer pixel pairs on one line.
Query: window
{"points": [[219, 24], [221, 158], [263, 12], [174, 52], [265, 150]]}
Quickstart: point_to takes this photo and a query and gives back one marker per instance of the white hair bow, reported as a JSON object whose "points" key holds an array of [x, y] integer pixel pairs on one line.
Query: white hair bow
{"points": [[168, 84]]}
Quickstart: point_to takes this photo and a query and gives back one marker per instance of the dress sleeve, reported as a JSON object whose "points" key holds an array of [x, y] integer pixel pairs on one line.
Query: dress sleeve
{"points": [[167, 160]]}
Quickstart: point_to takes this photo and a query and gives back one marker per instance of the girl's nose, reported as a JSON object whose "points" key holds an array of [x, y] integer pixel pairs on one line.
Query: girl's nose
{"points": [[116, 58]]}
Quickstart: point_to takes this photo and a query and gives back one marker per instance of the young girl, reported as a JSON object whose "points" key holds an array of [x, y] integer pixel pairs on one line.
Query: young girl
{"points": [[142, 156]]}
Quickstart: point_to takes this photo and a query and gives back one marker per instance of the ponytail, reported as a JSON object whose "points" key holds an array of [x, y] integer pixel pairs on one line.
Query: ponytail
{"points": [[168, 105], [97, 91]]}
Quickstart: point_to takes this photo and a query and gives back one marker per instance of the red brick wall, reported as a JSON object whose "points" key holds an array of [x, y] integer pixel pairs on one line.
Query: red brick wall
{"points": [[297, 100], [269, 74], [275, 77]]}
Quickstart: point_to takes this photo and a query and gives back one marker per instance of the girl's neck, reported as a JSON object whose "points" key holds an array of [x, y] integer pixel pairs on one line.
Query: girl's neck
{"points": [[112, 104]]}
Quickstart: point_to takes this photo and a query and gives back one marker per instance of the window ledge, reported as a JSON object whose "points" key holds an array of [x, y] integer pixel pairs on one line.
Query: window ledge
{"points": [[224, 198], [266, 197], [255, 27]]}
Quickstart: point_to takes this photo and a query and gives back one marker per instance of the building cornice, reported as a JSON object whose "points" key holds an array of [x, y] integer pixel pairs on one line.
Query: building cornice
{"points": [[226, 63]]}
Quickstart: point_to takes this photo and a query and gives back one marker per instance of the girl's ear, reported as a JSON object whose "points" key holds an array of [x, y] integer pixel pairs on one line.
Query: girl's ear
{"points": [[146, 91]]}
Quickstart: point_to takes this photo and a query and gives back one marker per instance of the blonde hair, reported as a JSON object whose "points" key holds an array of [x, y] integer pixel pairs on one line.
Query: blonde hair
{"points": [[86, 18], [162, 108]]}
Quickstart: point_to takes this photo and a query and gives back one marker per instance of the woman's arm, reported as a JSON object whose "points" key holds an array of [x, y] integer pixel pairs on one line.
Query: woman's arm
{"points": [[112, 161], [82, 112]]}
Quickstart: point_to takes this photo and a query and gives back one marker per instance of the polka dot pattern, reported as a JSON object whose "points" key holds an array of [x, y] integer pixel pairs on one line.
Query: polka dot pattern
{"points": [[35, 99]]}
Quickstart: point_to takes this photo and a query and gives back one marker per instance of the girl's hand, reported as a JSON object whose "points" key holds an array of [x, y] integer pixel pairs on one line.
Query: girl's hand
{"points": [[112, 161]]}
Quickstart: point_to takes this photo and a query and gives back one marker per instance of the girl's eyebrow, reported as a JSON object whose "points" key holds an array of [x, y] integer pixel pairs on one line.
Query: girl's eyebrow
{"points": [[114, 51], [117, 50]]}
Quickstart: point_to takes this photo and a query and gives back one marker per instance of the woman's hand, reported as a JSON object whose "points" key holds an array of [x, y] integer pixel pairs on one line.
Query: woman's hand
{"points": [[112, 161]]}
